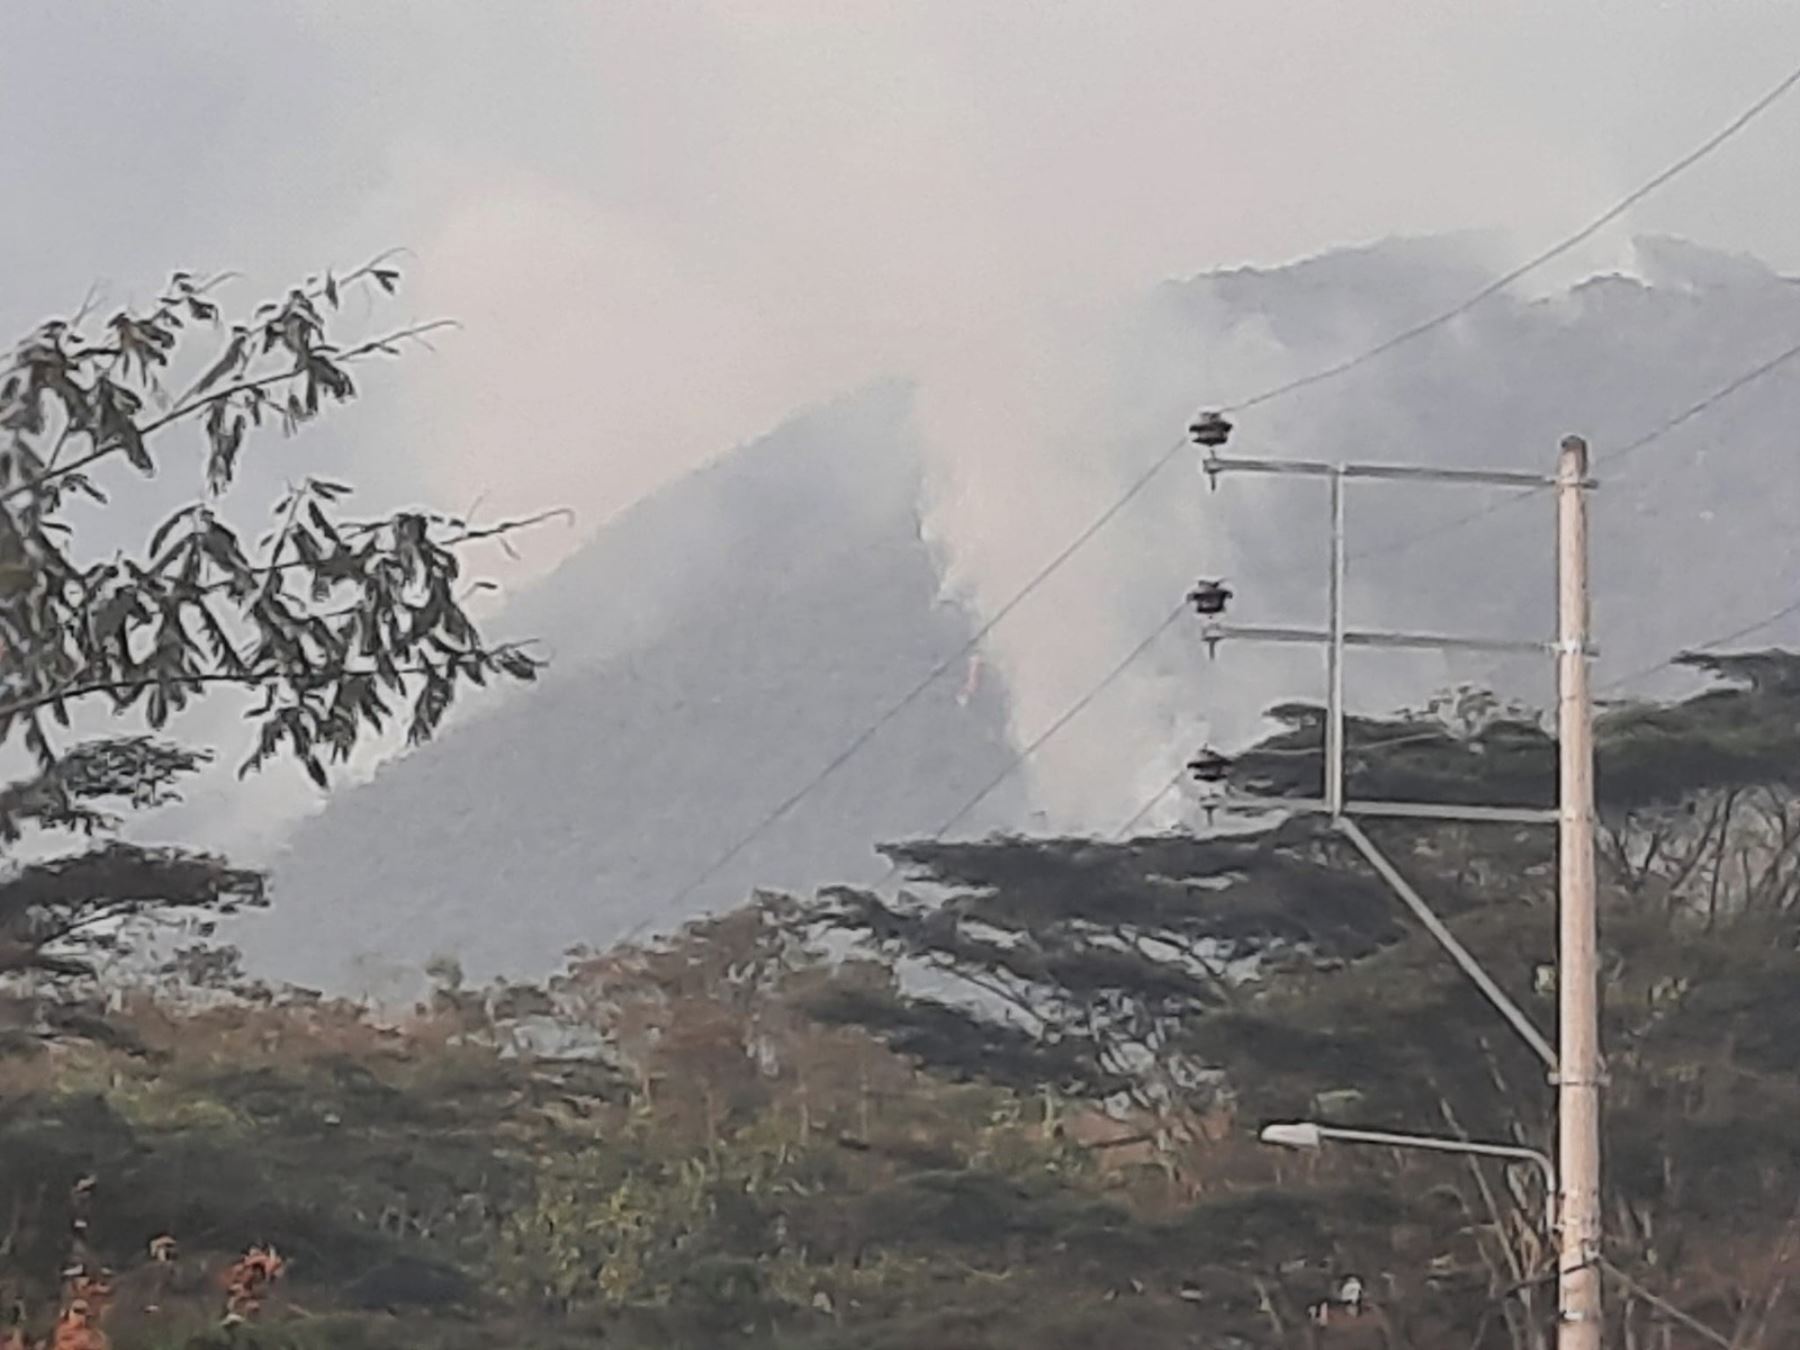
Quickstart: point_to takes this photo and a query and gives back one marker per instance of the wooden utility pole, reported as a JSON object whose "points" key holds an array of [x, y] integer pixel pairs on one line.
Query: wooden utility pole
{"points": [[1578, 1057]]}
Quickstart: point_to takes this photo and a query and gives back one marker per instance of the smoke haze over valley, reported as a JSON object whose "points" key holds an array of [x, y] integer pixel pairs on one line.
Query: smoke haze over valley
{"points": [[721, 642], [777, 675], [948, 284]]}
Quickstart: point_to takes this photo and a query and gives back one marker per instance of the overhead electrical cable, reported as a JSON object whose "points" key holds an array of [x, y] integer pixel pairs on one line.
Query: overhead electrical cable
{"points": [[1137, 486]]}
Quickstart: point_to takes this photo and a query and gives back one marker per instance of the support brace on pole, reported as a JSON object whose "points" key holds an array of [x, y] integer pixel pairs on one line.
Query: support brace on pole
{"points": [[1458, 953], [1334, 798]]}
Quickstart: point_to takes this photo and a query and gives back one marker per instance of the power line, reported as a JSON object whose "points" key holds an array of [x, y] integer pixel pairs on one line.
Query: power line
{"points": [[1605, 218], [1666, 428], [1068, 715], [1550, 254], [1673, 424], [1150, 804], [1630, 448], [870, 732], [1704, 405], [1711, 644], [912, 696], [1144, 479]]}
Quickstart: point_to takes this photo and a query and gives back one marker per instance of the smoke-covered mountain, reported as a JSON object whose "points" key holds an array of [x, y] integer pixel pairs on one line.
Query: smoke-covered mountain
{"points": [[1693, 531], [1694, 520], [721, 642], [713, 648]]}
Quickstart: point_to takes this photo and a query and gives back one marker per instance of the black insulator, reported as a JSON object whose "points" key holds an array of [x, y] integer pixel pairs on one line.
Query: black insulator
{"points": [[1209, 598], [1210, 429], [1209, 766]]}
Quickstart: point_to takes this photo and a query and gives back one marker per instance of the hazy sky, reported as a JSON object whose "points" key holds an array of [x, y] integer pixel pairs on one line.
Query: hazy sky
{"points": [[664, 225]]}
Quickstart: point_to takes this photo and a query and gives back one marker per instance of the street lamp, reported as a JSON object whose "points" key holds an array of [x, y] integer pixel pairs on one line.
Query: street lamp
{"points": [[1309, 1135]]}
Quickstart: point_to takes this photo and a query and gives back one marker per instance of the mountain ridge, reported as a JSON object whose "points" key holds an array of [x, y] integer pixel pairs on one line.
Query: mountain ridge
{"points": [[719, 643], [744, 621]]}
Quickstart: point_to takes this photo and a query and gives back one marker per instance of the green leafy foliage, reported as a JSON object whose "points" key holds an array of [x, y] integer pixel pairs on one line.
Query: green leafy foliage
{"points": [[668, 1146], [342, 625], [1261, 973]]}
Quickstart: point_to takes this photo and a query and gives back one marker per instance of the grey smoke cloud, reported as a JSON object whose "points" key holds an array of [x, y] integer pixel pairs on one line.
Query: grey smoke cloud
{"points": [[666, 226]]}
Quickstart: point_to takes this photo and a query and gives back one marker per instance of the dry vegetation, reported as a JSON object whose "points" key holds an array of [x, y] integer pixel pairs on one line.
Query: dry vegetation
{"points": [[725, 1169]]}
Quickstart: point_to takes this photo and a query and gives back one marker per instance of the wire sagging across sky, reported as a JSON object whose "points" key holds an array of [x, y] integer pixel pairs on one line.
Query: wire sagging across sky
{"points": [[1710, 645], [1613, 456], [1555, 251], [1138, 485]]}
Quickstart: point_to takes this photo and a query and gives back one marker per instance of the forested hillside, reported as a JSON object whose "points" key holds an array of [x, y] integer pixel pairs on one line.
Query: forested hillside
{"points": [[744, 1134], [710, 650], [719, 644]]}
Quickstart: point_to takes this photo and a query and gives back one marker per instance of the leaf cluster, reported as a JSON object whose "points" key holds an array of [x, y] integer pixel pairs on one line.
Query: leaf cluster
{"points": [[339, 626]]}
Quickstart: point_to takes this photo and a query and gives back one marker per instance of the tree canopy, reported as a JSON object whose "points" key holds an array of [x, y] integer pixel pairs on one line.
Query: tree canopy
{"points": [[1019, 1107], [1261, 972], [341, 623]]}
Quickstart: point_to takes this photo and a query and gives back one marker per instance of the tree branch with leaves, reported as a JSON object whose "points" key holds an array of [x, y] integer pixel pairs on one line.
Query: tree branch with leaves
{"points": [[343, 624]]}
